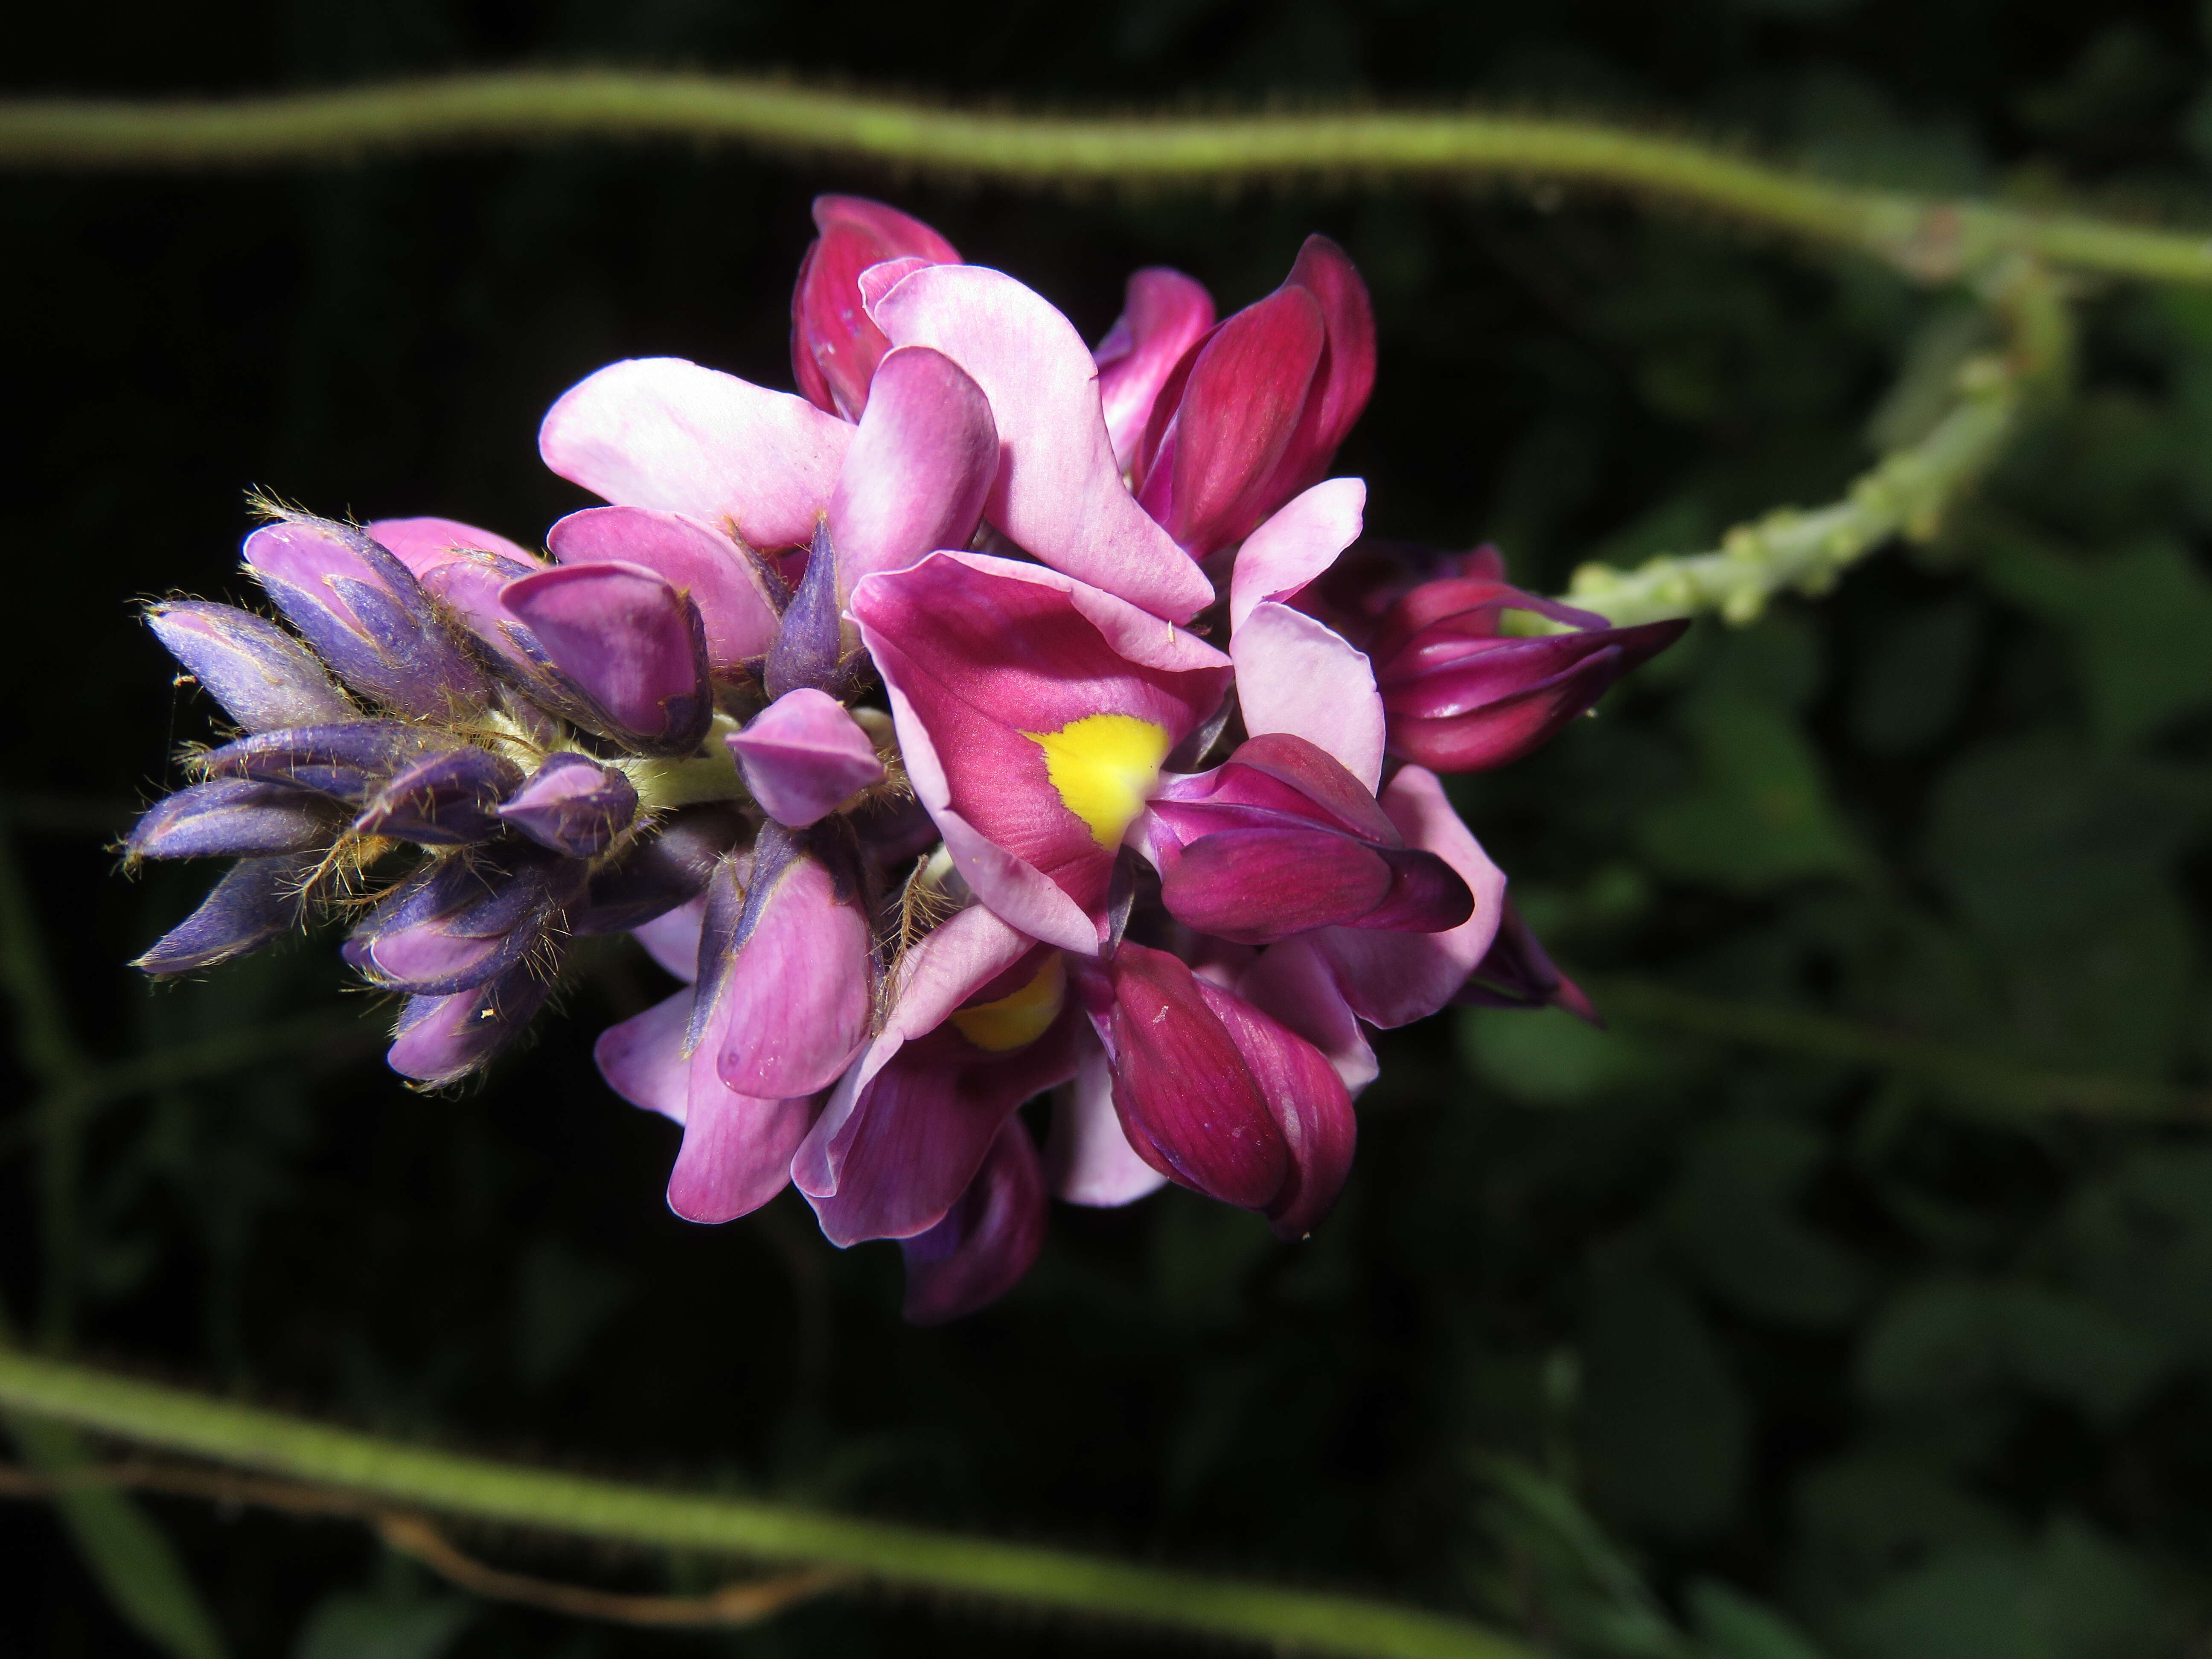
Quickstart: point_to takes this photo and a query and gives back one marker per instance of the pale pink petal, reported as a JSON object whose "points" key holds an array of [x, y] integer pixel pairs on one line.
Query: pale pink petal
{"points": [[1392, 978], [663, 433], [1059, 492], [672, 939], [803, 756], [423, 544], [920, 468], [1296, 675], [723, 581], [1088, 1160], [1296, 544]]}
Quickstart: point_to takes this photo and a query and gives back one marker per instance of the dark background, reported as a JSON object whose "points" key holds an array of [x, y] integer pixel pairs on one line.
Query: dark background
{"points": [[1926, 1380]]}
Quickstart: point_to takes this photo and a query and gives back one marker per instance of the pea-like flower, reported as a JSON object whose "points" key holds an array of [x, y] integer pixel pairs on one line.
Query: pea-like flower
{"points": [[968, 726]]}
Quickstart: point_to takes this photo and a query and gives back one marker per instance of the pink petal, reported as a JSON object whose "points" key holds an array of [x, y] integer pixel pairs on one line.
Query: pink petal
{"points": [[423, 544], [1393, 979], [672, 939], [1165, 314], [919, 469], [663, 433], [987, 1242], [1296, 675], [1059, 492], [974, 653], [721, 581], [630, 640], [803, 757], [1301, 540], [1088, 1160], [798, 997]]}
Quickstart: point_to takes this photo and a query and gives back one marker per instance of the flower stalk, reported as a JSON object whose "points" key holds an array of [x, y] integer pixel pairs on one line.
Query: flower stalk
{"points": [[911, 1557]]}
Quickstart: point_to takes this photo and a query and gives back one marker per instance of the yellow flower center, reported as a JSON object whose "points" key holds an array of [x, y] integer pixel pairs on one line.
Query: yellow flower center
{"points": [[1015, 1020], [1105, 768]]}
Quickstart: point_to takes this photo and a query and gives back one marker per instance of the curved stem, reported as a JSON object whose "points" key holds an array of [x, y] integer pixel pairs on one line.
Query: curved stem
{"points": [[911, 1557], [1908, 492], [1929, 238]]}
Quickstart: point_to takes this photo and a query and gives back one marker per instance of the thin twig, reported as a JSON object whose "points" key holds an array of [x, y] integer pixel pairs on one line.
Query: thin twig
{"points": [[1928, 238]]}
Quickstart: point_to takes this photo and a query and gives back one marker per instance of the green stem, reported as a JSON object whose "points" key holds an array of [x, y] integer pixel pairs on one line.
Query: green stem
{"points": [[1907, 492], [1966, 1074], [1927, 237], [908, 1557]]}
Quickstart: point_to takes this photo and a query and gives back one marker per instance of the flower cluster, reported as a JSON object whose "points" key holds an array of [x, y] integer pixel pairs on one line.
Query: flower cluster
{"points": [[997, 717]]}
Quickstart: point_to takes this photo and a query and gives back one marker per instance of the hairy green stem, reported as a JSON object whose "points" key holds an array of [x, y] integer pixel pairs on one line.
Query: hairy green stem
{"points": [[1908, 493], [1929, 238], [908, 1557], [1972, 1076]]}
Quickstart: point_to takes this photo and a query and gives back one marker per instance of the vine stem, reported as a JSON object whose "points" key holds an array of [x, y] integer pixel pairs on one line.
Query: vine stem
{"points": [[1931, 239], [912, 1558]]}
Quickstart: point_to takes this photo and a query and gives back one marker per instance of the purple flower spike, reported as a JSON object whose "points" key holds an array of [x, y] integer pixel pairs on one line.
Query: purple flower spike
{"points": [[341, 760], [803, 757], [446, 799], [233, 816], [987, 1241], [261, 675], [629, 641], [574, 805], [441, 1039], [258, 899], [366, 616]]}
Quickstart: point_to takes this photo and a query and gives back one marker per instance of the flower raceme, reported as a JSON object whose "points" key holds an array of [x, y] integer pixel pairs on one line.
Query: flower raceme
{"points": [[993, 719]]}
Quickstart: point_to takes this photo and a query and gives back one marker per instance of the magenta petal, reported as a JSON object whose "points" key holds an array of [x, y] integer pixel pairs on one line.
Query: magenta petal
{"points": [[1212, 479], [642, 1058], [719, 577], [1165, 314], [631, 641], [803, 757], [1296, 675], [663, 433], [798, 997], [985, 1242], [1392, 978], [1347, 372], [1059, 491], [423, 545], [1253, 887], [1312, 1108], [1188, 1103], [1296, 544], [835, 348], [671, 939], [919, 469], [1088, 1158]]}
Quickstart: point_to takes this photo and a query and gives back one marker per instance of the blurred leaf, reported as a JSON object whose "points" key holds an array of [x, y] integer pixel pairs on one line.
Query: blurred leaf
{"points": [[1731, 1626], [1663, 1422], [1911, 684], [1970, 1605], [2139, 1240], [129, 1555], [1865, 1517], [2142, 623], [1943, 1339], [1547, 1057], [382, 1627], [1732, 1214], [561, 1301]]}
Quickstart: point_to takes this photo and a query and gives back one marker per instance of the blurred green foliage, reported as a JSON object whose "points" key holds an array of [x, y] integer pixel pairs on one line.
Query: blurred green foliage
{"points": [[1646, 1344]]}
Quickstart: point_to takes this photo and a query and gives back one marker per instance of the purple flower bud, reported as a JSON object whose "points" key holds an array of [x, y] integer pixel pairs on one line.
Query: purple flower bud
{"points": [[445, 799], [341, 761], [804, 756], [257, 901], [230, 816], [1518, 973], [261, 675], [366, 616], [807, 645], [460, 924], [669, 870], [574, 805], [629, 641], [441, 1039]]}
